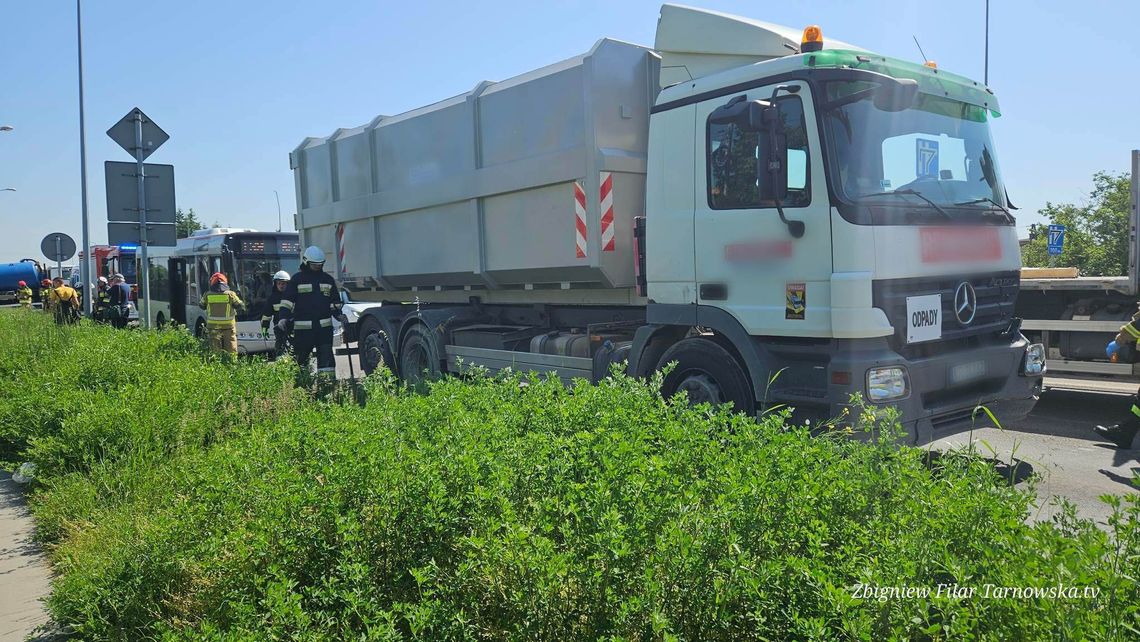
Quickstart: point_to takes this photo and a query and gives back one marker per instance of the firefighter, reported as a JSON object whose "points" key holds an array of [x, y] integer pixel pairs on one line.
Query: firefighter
{"points": [[24, 295], [118, 301], [1123, 433], [221, 305], [273, 315], [45, 294], [102, 300], [64, 302], [310, 302]]}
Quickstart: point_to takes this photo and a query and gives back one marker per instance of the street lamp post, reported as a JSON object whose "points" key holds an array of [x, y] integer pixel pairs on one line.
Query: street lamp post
{"points": [[8, 189], [278, 210], [85, 264], [6, 128]]}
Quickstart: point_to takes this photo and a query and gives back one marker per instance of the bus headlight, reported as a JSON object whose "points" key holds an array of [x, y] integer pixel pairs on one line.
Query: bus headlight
{"points": [[887, 384], [1034, 360]]}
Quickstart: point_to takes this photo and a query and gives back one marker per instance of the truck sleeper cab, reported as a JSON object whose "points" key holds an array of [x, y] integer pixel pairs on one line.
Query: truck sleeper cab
{"points": [[789, 229]]}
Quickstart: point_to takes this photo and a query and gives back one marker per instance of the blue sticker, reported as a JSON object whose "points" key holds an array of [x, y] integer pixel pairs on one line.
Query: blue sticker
{"points": [[925, 158]]}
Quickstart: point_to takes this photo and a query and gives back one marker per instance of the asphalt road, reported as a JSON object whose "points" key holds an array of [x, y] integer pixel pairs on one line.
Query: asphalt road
{"points": [[1055, 440]]}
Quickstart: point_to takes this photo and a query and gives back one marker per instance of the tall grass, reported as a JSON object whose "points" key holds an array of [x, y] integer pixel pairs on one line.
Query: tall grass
{"points": [[489, 510]]}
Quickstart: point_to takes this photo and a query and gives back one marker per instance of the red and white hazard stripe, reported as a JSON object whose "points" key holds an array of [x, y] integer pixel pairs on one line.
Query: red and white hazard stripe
{"points": [[606, 199], [340, 250], [579, 220]]}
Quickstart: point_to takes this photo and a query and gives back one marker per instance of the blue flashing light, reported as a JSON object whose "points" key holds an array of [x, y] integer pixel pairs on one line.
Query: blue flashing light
{"points": [[128, 247]]}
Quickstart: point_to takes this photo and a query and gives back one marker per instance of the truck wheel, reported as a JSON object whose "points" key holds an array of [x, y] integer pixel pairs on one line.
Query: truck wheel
{"points": [[160, 321], [374, 349], [707, 372], [419, 357], [200, 329]]}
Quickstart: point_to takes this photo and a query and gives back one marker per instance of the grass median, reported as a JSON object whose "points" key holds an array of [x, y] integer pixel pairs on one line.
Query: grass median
{"points": [[182, 497]]}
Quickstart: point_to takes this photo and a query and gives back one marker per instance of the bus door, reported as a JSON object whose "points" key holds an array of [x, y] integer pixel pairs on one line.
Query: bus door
{"points": [[176, 274]]}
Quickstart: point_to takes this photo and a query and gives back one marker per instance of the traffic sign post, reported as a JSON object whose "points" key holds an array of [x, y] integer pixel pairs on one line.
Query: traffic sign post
{"points": [[58, 247], [139, 136]]}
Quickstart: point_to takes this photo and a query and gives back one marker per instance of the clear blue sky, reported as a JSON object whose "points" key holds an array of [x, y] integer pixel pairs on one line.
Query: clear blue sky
{"points": [[239, 84]]}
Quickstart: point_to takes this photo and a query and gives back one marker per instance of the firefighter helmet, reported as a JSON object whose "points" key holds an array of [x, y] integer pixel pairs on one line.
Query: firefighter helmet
{"points": [[313, 257], [281, 275], [218, 277]]}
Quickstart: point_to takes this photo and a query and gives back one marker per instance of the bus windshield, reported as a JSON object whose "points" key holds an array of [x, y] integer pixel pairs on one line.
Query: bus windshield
{"points": [[936, 156], [253, 280]]}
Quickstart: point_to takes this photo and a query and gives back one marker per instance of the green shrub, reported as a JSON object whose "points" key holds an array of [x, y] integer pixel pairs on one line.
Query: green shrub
{"points": [[490, 510]]}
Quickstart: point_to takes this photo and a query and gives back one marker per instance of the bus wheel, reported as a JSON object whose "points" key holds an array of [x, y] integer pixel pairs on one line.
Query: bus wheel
{"points": [[160, 321], [707, 373]]}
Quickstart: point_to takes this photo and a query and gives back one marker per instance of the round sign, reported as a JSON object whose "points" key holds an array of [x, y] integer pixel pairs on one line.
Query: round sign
{"points": [[58, 247]]}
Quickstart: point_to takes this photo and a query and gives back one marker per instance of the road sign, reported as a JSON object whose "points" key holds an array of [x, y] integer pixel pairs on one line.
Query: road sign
{"points": [[925, 158], [1056, 239], [123, 133], [123, 193], [58, 247], [157, 234]]}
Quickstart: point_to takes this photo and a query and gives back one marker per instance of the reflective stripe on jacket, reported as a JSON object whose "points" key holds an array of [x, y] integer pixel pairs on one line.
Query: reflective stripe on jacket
{"points": [[220, 308]]}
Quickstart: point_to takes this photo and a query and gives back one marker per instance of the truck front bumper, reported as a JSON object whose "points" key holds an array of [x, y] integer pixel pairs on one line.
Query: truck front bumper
{"points": [[944, 389]]}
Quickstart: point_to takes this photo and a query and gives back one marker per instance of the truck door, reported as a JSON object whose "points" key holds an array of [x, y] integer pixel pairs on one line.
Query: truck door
{"points": [[747, 261]]}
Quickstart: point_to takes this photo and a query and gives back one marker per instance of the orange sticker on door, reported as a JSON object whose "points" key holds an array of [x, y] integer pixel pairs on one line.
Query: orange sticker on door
{"points": [[795, 300]]}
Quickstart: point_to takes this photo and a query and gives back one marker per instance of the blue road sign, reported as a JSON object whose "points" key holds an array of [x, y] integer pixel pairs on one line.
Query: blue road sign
{"points": [[1056, 239], [925, 158]]}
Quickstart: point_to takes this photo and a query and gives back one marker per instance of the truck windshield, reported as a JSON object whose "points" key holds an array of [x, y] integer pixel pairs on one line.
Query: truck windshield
{"points": [[935, 157]]}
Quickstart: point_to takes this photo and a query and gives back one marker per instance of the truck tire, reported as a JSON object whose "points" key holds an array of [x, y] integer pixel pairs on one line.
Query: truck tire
{"points": [[707, 372], [419, 356], [373, 345]]}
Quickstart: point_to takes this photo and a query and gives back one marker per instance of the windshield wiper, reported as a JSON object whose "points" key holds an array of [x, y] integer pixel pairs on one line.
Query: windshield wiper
{"points": [[1005, 213], [910, 192]]}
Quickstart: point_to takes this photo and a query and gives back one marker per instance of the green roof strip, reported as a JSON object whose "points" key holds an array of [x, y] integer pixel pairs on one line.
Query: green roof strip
{"points": [[930, 81]]}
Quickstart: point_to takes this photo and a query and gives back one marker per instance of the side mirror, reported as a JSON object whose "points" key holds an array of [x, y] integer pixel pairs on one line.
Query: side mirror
{"points": [[745, 114], [897, 95], [774, 186]]}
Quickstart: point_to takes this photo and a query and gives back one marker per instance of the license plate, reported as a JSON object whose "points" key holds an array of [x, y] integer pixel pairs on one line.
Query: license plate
{"points": [[967, 372], [923, 318]]}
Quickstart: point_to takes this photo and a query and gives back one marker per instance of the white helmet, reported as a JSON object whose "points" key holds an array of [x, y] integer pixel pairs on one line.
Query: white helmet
{"points": [[103, 280], [281, 275], [313, 257]]}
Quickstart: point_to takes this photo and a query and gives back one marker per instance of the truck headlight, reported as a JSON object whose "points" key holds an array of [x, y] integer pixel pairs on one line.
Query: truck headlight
{"points": [[1034, 360], [887, 384]]}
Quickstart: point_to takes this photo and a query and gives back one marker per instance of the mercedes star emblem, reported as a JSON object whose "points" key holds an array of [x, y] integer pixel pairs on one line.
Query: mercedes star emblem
{"points": [[965, 303]]}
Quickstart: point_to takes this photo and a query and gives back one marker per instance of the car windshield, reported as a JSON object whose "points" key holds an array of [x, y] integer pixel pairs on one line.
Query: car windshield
{"points": [[255, 281], [937, 153]]}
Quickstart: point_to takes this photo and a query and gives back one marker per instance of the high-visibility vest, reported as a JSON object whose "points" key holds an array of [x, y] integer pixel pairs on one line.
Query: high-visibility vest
{"points": [[220, 309], [24, 295]]}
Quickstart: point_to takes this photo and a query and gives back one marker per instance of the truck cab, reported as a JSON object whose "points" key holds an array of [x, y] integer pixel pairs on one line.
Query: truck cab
{"points": [[888, 263]]}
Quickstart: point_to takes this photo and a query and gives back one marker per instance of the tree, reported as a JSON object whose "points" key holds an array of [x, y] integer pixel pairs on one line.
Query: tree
{"points": [[186, 223], [1096, 236]]}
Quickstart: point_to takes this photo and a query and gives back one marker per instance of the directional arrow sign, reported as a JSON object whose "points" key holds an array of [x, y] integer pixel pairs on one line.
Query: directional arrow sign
{"points": [[123, 133]]}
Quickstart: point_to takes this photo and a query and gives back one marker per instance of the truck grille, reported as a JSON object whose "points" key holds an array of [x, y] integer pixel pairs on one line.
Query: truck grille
{"points": [[996, 293]]}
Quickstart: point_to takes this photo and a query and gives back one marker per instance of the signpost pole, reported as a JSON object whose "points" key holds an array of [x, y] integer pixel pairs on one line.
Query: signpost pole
{"points": [[144, 268], [58, 254]]}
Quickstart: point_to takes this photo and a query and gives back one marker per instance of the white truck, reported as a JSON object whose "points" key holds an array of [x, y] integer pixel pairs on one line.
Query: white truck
{"points": [[790, 220], [1075, 316]]}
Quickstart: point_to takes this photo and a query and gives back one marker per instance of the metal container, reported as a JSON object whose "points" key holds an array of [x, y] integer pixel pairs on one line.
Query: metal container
{"points": [[529, 182]]}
